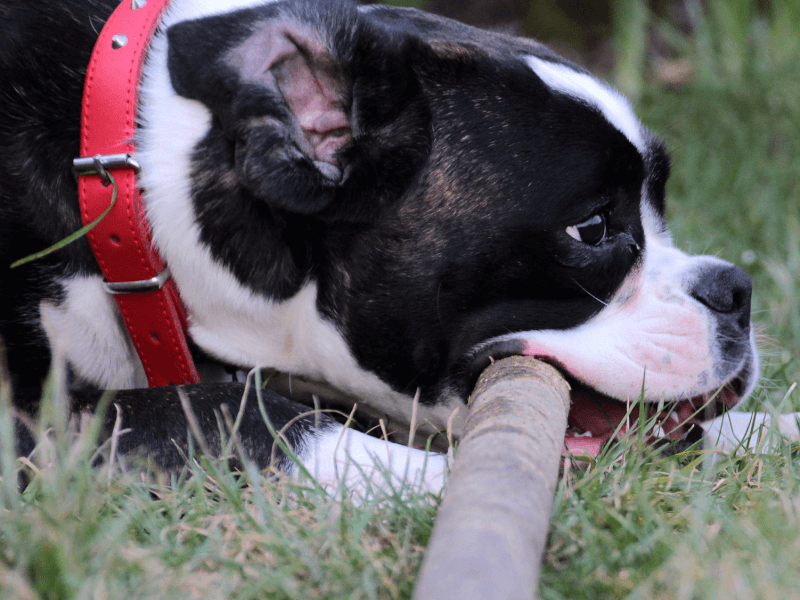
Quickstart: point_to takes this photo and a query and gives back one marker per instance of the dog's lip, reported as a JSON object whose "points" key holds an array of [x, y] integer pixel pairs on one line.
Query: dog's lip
{"points": [[595, 418], [482, 356]]}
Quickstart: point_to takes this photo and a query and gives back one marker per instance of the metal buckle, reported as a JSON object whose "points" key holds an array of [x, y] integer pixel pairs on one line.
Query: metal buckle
{"points": [[132, 287], [100, 163]]}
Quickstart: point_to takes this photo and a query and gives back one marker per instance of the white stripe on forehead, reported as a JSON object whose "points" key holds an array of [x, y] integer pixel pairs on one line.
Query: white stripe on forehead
{"points": [[183, 10], [585, 88]]}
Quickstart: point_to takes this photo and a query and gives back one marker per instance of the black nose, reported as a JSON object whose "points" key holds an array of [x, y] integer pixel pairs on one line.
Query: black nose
{"points": [[725, 289]]}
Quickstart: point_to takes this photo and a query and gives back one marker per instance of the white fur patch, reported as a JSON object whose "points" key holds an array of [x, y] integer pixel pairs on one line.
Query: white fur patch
{"points": [[182, 10], [581, 86], [365, 465], [655, 227], [86, 330], [749, 431]]}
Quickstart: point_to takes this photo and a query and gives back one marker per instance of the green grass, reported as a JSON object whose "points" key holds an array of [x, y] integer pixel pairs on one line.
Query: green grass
{"points": [[632, 525], [652, 528], [734, 134], [78, 531]]}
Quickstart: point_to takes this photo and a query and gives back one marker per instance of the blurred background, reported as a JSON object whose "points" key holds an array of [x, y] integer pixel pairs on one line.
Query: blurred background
{"points": [[719, 80]]}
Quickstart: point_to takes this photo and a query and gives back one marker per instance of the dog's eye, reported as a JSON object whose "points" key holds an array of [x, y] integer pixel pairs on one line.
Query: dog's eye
{"points": [[592, 231]]}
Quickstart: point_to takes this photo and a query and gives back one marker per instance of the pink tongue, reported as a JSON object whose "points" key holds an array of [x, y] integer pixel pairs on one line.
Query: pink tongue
{"points": [[586, 446]]}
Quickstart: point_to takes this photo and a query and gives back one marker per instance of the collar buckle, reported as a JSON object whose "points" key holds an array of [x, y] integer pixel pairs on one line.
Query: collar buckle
{"points": [[100, 163]]}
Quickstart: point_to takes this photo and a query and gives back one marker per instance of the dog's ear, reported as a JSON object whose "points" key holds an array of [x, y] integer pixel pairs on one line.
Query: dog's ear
{"points": [[317, 107], [279, 97]]}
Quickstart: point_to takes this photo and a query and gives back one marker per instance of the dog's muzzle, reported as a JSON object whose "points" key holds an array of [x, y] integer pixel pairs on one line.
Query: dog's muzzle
{"points": [[595, 418]]}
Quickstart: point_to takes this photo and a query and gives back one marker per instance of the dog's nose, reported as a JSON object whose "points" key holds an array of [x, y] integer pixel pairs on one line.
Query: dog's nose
{"points": [[725, 289]]}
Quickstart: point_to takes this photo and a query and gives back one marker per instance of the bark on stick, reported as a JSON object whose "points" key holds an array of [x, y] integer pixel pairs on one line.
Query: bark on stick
{"points": [[492, 525]]}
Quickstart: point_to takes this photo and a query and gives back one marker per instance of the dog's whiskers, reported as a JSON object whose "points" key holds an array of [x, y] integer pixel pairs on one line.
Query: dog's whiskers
{"points": [[588, 293]]}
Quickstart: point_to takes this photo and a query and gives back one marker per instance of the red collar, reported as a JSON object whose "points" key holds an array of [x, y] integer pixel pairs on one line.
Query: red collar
{"points": [[134, 273]]}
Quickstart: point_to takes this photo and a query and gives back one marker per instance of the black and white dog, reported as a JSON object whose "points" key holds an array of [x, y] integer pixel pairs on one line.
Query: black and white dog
{"points": [[374, 201]]}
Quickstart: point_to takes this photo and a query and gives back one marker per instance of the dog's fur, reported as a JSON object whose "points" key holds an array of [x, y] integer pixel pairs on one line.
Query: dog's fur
{"points": [[374, 201]]}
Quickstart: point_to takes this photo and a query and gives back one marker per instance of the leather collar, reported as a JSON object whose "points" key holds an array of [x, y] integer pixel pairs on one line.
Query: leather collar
{"points": [[145, 293]]}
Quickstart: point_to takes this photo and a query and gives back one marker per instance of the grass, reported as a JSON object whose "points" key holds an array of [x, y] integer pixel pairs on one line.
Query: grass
{"points": [[78, 531], [652, 528], [631, 525], [210, 537], [735, 139]]}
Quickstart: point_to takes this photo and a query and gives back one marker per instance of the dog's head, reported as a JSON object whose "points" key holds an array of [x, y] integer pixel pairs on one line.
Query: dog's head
{"points": [[449, 195]]}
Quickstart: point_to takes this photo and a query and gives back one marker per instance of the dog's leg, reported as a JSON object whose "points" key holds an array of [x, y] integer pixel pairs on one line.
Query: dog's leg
{"points": [[158, 426], [748, 431], [339, 456]]}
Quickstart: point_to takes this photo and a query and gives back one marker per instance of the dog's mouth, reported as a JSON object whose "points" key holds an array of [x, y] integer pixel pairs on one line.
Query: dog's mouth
{"points": [[596, 419]]}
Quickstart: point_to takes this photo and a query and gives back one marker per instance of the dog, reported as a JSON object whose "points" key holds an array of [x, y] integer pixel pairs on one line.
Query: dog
{"points": [[371, 203]]}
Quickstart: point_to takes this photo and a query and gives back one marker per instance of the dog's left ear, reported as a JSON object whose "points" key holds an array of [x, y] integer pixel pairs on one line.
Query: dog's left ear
{"points": [[279, 97], [282, 90]]}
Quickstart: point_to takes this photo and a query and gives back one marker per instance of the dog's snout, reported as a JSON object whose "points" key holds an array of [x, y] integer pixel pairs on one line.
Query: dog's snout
{"points": [[725, 289]]}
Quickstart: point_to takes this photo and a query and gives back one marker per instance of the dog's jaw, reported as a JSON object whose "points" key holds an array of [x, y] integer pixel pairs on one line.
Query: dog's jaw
{"points": [[652, 337]]}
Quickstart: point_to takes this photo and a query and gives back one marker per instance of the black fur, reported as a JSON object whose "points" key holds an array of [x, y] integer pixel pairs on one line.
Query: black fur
{"points": [[44, 50], [159, 429]]}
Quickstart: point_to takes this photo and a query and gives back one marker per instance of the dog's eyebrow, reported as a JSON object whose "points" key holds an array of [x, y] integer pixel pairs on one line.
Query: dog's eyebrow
{"points": [[585, 88]]}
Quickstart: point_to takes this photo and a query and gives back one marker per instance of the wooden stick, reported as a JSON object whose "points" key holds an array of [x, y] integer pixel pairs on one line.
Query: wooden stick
{"points": [[492, 526]]}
